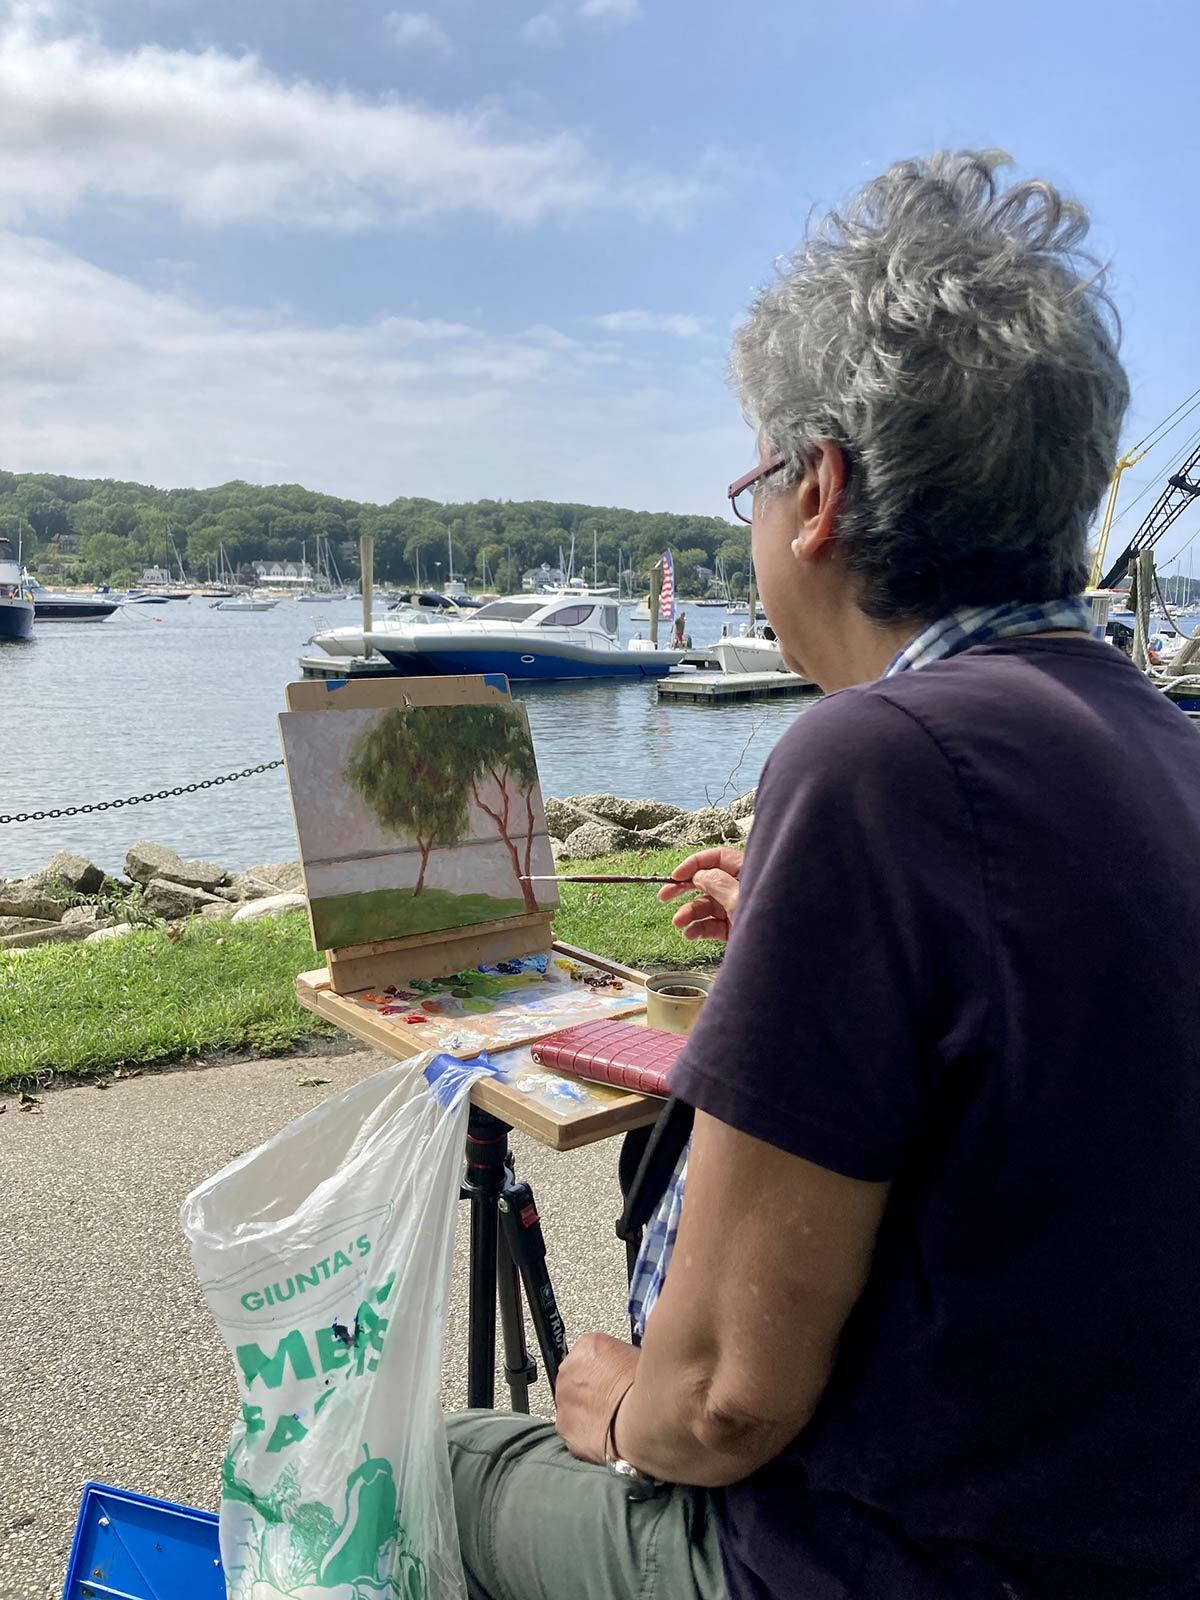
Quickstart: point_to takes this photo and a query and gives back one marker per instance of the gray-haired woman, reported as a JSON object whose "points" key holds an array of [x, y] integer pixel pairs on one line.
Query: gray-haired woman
{"points": [[922, 1300]]}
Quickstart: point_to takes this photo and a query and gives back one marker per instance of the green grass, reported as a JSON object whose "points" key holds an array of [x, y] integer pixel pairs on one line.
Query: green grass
{"points": [[82, 1010], [342, 919], [627, 921]]}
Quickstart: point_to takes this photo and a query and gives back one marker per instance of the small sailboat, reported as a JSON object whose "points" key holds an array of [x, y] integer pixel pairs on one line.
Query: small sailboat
{"points": [[248, 602]]}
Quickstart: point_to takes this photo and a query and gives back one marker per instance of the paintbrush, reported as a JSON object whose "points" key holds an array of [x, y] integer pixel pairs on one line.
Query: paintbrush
{"points": [[592, 877]]}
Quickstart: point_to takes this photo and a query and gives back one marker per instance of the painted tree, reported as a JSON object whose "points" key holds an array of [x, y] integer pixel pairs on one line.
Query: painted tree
{"points": [[400, 766], [492, 742]]}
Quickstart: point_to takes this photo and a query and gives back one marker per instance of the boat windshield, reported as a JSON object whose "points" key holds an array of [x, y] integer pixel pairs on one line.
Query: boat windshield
{"points": [[567, 617], [508, 611]]}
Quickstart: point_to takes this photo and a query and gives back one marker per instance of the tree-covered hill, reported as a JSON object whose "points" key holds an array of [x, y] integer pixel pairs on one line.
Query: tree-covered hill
{"points": [[98, 530]]}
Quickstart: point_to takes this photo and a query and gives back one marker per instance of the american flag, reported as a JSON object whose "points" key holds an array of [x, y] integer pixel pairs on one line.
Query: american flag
{"points": [[666, 598]]}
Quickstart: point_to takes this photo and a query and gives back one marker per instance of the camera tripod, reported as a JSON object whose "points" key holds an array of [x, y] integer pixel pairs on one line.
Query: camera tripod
{"points": [[507, 1254], [508, 1250]]}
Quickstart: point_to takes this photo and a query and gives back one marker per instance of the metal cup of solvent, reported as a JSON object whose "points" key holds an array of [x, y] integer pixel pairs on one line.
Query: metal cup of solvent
{"points": [[674, 999]]}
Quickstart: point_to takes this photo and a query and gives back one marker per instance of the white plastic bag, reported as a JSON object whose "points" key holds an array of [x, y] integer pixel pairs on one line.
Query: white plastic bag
{"points": [[324, 1256]]}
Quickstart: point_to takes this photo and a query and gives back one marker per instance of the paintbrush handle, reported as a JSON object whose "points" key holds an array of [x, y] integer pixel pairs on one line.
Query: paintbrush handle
{"points": [[594, 877]]}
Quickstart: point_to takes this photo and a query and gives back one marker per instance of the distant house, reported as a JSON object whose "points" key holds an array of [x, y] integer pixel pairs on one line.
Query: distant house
{"points": [[155, 575], [283, 573], [67, 543], [543, 577]]}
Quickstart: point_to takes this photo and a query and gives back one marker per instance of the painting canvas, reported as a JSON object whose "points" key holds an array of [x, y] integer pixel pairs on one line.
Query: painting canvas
{"points": [[414, 819]]}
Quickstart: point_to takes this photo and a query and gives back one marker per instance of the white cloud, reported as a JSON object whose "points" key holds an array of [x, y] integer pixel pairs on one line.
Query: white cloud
{"points": [[542, 28], [417, 30], [681, 325], [610, 10], [222, 139], [102, 377]]}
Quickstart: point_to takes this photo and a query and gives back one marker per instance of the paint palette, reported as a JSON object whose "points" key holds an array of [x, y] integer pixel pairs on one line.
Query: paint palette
{"points": [[499, 1006]]}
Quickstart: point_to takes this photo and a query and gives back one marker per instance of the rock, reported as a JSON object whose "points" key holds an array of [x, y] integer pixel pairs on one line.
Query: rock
{"points": [[30, 897], [636, 815], [273, 877], [596, 839], [695, 829], [743, 806], [170, 900], [54, 934], [75, 873], [207, 875], [744, 824], [220, 911], [563, 817], [557, 849], [272, 906], [89, 918], [147, 861], [9, 925], [117, 931]]}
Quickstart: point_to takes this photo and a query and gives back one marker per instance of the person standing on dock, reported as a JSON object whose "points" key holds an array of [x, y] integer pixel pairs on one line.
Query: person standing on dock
{"points": [[921, 1303]]}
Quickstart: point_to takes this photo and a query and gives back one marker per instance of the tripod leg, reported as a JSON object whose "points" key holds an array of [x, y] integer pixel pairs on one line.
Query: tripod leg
{"points": [[483, 1182], [481, 1304], [522, 1229], [519, 1370]]}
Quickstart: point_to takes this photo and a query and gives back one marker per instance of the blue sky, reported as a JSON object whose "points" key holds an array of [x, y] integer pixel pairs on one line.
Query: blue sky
{"points": [[483, 247]]}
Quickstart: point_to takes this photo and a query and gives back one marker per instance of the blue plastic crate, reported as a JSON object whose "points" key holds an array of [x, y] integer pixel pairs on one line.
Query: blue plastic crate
{"points": [[130, 1547]]}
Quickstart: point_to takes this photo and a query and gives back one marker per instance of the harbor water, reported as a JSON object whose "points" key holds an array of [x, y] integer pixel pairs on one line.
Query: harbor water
{"points": [[160, 696]]}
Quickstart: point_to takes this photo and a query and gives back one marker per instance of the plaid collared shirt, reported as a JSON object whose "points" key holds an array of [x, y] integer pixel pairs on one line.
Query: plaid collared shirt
{"points": [[958, 630]]}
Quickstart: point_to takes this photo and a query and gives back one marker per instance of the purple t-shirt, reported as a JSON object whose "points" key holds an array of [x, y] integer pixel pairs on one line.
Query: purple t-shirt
{"points": [[967, 960]]}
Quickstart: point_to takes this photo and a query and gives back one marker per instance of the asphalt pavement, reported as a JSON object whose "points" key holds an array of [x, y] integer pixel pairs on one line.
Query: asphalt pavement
{"points": [[110, 1366]]}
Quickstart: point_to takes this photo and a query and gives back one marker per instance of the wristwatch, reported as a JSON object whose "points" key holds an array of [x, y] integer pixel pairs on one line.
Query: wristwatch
{"points": [[618, 1466]]}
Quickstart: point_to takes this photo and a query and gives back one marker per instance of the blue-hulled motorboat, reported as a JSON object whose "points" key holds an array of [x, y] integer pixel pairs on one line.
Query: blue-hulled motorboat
{"points": [[16, 603], [570, 634]]}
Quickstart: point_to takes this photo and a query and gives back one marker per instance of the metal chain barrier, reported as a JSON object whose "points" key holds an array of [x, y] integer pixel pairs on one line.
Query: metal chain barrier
{"points": [[140, 799]]}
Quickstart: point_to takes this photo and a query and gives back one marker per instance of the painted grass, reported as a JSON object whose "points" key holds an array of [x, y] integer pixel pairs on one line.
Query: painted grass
{"points": [[82, 1010], [342, 919]]}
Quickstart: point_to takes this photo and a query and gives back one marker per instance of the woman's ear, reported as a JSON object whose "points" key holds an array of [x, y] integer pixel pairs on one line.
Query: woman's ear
{"points": [[819, 499]]}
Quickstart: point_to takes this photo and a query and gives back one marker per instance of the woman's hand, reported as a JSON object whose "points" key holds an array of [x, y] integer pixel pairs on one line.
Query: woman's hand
{"points": [[591, 1383], [715, 873]]}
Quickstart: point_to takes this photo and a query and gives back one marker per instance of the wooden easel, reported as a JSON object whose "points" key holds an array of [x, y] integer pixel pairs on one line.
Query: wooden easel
{"points": [[337, 993]]}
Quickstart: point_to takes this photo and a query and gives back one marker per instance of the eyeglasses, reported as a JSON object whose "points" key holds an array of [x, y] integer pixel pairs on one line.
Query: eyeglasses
{"points": [[742, 491]]}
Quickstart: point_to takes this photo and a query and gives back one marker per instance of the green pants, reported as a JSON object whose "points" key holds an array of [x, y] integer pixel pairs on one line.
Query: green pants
{"points": [[535, 1524]]}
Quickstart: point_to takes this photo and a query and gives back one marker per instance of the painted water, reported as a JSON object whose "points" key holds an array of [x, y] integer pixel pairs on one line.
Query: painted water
{"points": [[160, 696]]}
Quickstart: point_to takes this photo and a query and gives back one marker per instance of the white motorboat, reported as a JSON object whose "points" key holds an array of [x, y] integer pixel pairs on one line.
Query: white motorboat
{"points": [[414, 608], [523, 636], [247, 602], [16, 602], [748, 654], [49, 606]]}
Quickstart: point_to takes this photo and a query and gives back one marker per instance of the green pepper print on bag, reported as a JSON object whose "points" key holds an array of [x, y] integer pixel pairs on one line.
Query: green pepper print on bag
{"points": [[369, 1526]]}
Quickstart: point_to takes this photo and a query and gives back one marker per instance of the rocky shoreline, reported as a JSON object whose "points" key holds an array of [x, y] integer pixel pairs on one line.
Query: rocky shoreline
{"points": [[73, 900]]}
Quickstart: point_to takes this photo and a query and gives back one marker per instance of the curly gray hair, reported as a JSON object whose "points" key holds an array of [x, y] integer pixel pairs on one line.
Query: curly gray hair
{"points": [[954, 342]]}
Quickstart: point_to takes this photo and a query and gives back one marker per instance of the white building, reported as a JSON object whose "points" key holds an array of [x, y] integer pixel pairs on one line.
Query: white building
{"points": [[284, 574], [543, 577]]}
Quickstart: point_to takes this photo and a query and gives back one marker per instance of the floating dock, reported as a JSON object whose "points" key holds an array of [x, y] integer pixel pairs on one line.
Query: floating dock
{"points": [[323, 666], [716, 688]]}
